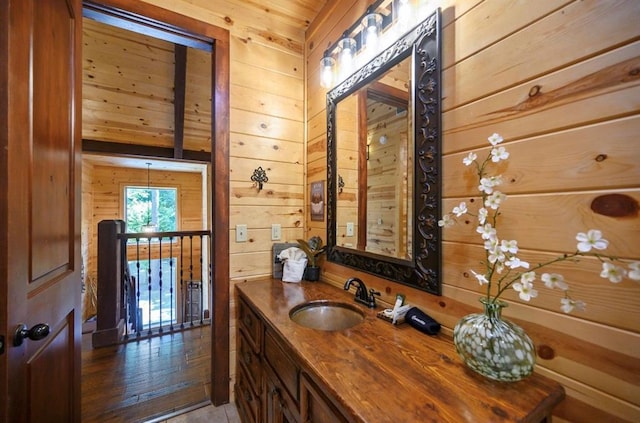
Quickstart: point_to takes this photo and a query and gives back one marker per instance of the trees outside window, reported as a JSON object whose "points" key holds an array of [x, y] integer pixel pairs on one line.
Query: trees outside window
{"points": [[158, 206]]}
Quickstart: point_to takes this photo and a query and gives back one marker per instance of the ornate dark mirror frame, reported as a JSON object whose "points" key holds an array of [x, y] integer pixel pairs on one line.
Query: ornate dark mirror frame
{"points": [[423, 271]]}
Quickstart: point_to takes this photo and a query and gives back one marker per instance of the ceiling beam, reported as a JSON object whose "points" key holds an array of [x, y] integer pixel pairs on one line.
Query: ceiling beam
{"points": [[117, 148], [179, 90]]}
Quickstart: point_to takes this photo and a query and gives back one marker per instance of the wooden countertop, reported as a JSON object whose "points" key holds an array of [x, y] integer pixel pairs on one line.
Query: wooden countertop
{"points": [[384, 373]]}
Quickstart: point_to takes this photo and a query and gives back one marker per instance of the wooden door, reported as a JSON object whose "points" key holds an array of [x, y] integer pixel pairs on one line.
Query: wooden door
{"points": [[40, 264]]}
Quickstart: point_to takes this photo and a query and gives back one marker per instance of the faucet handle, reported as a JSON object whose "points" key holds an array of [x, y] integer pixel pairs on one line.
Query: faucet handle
{"points": [[372, 298]]}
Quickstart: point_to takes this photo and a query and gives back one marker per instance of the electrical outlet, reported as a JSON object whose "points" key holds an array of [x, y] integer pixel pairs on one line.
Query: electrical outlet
{"points": [[241, 233], [350, 229], [276, 232]]}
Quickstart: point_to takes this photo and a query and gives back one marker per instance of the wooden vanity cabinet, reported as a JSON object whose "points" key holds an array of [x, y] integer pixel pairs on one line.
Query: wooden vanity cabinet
{"points": [[270, 384], [249, 375]]}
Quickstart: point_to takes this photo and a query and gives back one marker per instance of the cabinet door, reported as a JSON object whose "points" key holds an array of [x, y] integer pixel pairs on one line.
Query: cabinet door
{"points": [[249, 405], [314, 406], [279, 407]]}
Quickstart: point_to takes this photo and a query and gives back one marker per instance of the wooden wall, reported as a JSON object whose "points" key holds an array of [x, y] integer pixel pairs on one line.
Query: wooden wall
{"points": [[128, 89], [560, 81]]}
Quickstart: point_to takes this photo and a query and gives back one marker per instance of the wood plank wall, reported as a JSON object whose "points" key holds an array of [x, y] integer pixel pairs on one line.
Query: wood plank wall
{"points": [[128, 89], [560, 81]]}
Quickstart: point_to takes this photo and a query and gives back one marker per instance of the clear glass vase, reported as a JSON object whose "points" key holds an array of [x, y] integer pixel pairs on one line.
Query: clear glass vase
{"points": [[493, 346]]}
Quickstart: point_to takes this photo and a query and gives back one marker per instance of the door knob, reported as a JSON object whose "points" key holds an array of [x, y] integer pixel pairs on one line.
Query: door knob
{"points": [[36, 333]]}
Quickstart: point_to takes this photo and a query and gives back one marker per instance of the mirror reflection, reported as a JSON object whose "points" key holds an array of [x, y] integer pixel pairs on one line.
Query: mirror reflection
{"points": [[375, 205], [383, 163]]}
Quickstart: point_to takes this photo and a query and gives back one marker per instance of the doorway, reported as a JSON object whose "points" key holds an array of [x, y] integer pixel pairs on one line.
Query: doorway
{"points": [[181, 30]]}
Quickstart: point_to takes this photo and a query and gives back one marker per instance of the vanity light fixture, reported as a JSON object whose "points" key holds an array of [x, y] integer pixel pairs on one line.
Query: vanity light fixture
{"points": [[371, 33]]}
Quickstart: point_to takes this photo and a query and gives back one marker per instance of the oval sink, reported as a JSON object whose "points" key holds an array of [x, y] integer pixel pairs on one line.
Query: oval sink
{"points": [[326, 315]]}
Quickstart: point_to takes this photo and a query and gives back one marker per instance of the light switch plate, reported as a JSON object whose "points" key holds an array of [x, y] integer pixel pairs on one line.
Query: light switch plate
{"points": [[241, 233], [276, 232], [350, 228]]}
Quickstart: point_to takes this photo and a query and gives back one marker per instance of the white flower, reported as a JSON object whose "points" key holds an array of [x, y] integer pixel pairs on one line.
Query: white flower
{"points": [[486, 231], [509, 246], [446, 221], [634, 273], [482, 215], [481, 278], [494, 200], [495, 139], [612, 272], [592, 239], [499, 153], [515, 262], [525, 289], [496, 255], [568, 305], [528, 277], [460, 210], [501, 254], [487, 184], [554, 280], [490, 244], [470, 159]]}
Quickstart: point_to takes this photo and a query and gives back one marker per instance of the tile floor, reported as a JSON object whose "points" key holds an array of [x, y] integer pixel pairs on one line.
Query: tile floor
{"points": [[227, 413]]}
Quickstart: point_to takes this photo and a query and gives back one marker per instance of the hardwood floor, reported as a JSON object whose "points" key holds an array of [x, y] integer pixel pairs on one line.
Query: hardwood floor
{"points": [[146, 379]]}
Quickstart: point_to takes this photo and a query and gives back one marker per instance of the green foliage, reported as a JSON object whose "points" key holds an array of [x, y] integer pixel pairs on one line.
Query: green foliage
{"points": [[313, 248], [158, 206]]}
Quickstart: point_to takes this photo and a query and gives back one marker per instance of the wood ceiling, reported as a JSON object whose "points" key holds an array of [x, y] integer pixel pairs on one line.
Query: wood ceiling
{"points": [[133, 97]]}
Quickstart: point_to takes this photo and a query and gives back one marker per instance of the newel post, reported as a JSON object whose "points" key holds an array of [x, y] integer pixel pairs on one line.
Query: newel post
{"points": [[110, 321]]}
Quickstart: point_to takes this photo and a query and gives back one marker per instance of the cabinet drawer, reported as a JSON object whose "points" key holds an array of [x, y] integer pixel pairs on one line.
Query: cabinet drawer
{"points": [[251, 362], [249, 405], [282, 366], [250, 324]]}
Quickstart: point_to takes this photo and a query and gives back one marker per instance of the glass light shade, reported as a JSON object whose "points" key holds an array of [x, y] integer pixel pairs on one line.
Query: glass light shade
{"points": [[371, 28], [425, 8], [149, 227], [402, 15], [327, 70], [347, 50]]}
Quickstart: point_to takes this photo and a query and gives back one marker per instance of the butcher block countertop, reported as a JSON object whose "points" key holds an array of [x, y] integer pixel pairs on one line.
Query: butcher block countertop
{"points": [[378, 372]]}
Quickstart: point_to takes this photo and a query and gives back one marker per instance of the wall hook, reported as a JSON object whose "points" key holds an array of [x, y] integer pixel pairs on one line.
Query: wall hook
{"points": [[340, 183], [259, 176]]}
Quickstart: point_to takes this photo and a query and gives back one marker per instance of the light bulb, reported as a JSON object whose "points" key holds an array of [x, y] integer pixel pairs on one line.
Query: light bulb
{"points": [[372, 25], [347, 46], [326, 72]]}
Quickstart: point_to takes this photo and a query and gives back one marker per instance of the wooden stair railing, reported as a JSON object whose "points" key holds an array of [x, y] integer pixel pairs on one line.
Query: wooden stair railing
{"points": [[129, 296]]}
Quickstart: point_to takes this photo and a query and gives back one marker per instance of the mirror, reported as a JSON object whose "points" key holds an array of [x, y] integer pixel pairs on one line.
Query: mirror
{"points": [[383, 160]]}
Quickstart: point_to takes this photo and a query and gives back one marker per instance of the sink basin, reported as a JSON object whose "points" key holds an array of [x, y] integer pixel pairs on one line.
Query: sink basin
{"points": [[326, 315]]}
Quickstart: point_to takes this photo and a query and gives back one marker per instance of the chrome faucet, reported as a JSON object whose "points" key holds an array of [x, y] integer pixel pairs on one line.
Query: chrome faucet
{"points": [[362, 295]]}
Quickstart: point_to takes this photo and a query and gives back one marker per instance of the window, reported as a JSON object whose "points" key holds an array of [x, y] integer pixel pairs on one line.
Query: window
{"points": [[157, 206]]}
